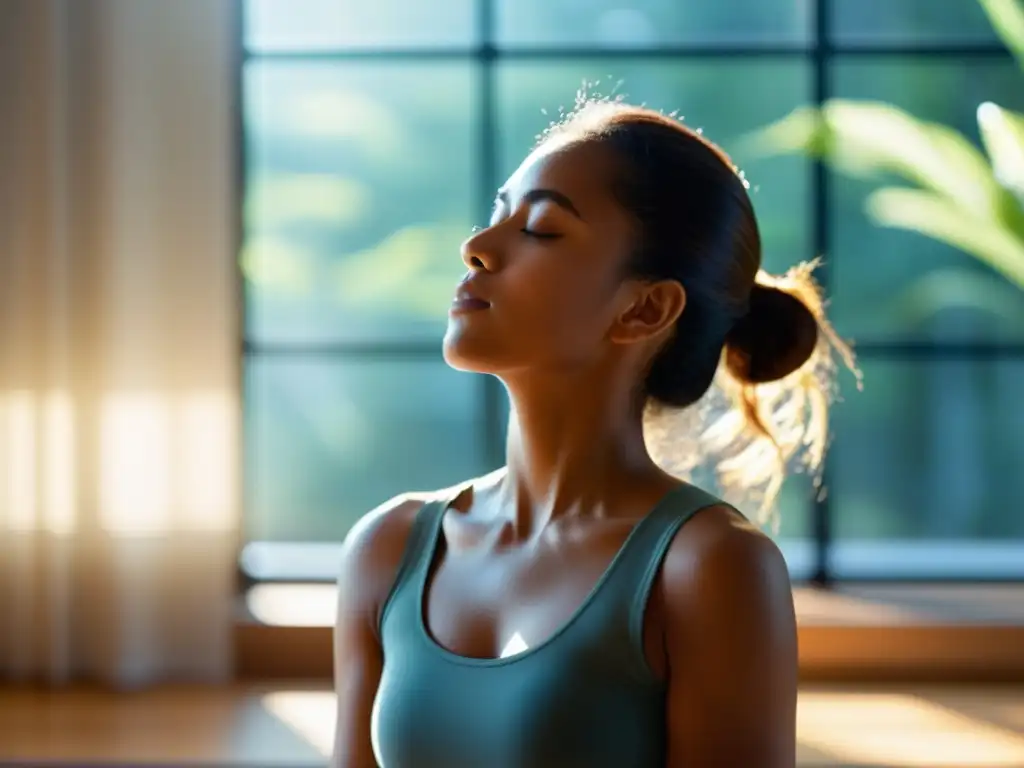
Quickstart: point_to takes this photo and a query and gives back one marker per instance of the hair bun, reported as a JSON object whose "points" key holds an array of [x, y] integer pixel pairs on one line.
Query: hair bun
{"points": [[775, 338]]}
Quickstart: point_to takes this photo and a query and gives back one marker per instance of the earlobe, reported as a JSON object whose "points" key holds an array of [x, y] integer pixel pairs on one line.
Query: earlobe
{"points": [[653, 310]]}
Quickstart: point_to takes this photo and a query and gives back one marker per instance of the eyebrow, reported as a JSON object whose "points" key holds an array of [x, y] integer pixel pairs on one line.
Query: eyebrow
{"points": [[537, 195]]}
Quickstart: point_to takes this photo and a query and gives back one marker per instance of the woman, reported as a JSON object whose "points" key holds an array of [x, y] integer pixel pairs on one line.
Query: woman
{"points": [[582, 606]]}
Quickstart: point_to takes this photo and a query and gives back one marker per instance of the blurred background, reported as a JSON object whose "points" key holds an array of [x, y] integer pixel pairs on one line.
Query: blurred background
{"points": [[229, 232], [374, 137]]}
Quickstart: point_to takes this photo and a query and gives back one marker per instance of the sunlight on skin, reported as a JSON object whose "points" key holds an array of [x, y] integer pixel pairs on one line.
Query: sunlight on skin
{"points": [[515, 646], [895, 730]]}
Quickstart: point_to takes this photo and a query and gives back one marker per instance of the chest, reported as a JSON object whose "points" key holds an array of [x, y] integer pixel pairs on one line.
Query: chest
{"points": [[486, 604]]}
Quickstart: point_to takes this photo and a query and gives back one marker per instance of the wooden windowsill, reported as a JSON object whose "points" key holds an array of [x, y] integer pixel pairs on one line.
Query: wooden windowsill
{"points": [[863, 633]]}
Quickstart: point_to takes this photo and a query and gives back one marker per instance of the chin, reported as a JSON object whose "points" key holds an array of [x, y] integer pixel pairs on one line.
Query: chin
{"points": [[472, 352]]}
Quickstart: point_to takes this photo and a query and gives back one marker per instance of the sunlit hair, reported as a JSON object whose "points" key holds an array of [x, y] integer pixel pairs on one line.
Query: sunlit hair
{"points": [[744, 385], [755, 434]]}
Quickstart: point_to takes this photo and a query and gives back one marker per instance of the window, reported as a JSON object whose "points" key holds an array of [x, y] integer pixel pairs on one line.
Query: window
{"points": [[375, 136]]}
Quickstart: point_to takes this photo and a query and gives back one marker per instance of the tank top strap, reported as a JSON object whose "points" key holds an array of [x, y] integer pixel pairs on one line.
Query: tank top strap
{"points": [[623, 597], [419, 552]]}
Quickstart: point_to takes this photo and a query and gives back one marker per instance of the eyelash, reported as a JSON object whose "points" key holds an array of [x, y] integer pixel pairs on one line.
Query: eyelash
{"points": [[527, 232], [539, 235]]}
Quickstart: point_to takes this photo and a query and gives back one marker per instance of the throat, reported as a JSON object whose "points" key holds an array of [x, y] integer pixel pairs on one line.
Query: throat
{"points": [[570, 454]]}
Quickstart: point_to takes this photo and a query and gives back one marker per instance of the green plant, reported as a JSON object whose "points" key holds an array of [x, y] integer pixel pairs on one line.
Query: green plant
{"points": [[960, 195]]}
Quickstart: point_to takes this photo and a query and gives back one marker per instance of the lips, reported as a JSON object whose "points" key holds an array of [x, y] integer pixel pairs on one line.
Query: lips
{"points": [[469, 303], [466, 301]]}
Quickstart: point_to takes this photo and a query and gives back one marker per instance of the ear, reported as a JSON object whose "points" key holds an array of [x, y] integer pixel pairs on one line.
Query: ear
{"points": [[652, 309]]}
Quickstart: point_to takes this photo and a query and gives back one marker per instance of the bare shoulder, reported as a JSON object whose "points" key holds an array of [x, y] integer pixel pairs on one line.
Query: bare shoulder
{"points": [[373, 549], [372, 541], [720, 562], [731, 645]]}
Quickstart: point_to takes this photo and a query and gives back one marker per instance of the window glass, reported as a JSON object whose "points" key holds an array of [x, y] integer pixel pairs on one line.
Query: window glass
{"points": [[895, 284], [315, 25], [650, 23], [361, 181], [327, 439], [909, 22]]}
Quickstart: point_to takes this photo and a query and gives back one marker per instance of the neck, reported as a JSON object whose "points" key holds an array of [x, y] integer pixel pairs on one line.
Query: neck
{"points": [[570, 448]]}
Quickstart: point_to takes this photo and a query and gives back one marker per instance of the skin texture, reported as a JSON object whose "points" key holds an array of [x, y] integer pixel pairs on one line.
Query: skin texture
{"points": [[570, 337]]}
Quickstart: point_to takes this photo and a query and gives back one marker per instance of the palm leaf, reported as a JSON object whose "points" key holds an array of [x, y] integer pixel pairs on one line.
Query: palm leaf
{"points": [[1002, 133], [873, 138], [1007, 18], [972, 202], [959, 288], [942, 219]]}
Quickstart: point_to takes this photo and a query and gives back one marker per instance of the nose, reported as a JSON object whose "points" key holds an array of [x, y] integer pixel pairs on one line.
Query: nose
{"points": [[475, 253]]}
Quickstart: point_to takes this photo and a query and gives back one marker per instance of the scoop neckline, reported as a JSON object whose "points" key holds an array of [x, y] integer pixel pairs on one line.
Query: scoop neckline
{"points": [[500, 661]]}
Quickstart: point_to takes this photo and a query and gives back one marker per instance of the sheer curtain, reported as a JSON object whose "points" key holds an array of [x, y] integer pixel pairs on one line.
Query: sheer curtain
{"points": [[118, 340]]}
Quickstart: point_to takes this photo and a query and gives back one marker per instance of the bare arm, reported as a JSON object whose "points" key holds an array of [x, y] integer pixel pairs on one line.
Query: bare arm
{"points": [[372, 553], [732, 648]]}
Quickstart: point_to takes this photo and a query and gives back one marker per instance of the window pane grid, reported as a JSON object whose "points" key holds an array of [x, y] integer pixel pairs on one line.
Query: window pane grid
{"points": [[819, 53]]}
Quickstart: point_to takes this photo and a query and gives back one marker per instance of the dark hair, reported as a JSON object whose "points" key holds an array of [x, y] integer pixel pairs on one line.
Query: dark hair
{"points": [[740, 327]]}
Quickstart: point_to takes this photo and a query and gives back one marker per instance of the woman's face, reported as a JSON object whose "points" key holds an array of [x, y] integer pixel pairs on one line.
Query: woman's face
{"points": [[545, 283]]}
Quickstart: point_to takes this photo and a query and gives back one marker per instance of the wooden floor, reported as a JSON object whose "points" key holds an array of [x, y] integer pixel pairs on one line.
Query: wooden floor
{"points": [[292, 727]]}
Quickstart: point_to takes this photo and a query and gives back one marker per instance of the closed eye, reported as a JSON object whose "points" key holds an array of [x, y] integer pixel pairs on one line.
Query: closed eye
{"points": [[541, 235]]}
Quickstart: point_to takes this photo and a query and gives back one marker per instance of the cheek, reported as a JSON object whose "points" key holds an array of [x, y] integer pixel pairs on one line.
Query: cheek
{"points": [[563, 295]]}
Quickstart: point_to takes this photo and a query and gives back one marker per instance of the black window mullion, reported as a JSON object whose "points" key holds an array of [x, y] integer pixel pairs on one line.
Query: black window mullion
{"points": [[489, 51], [821, 509]]}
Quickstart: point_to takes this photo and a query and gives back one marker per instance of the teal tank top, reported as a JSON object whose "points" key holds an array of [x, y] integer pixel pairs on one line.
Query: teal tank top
{"points": [[585, 698]]}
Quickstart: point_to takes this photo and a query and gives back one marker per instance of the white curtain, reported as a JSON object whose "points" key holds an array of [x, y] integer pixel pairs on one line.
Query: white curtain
{"points": [[118, 340]]}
